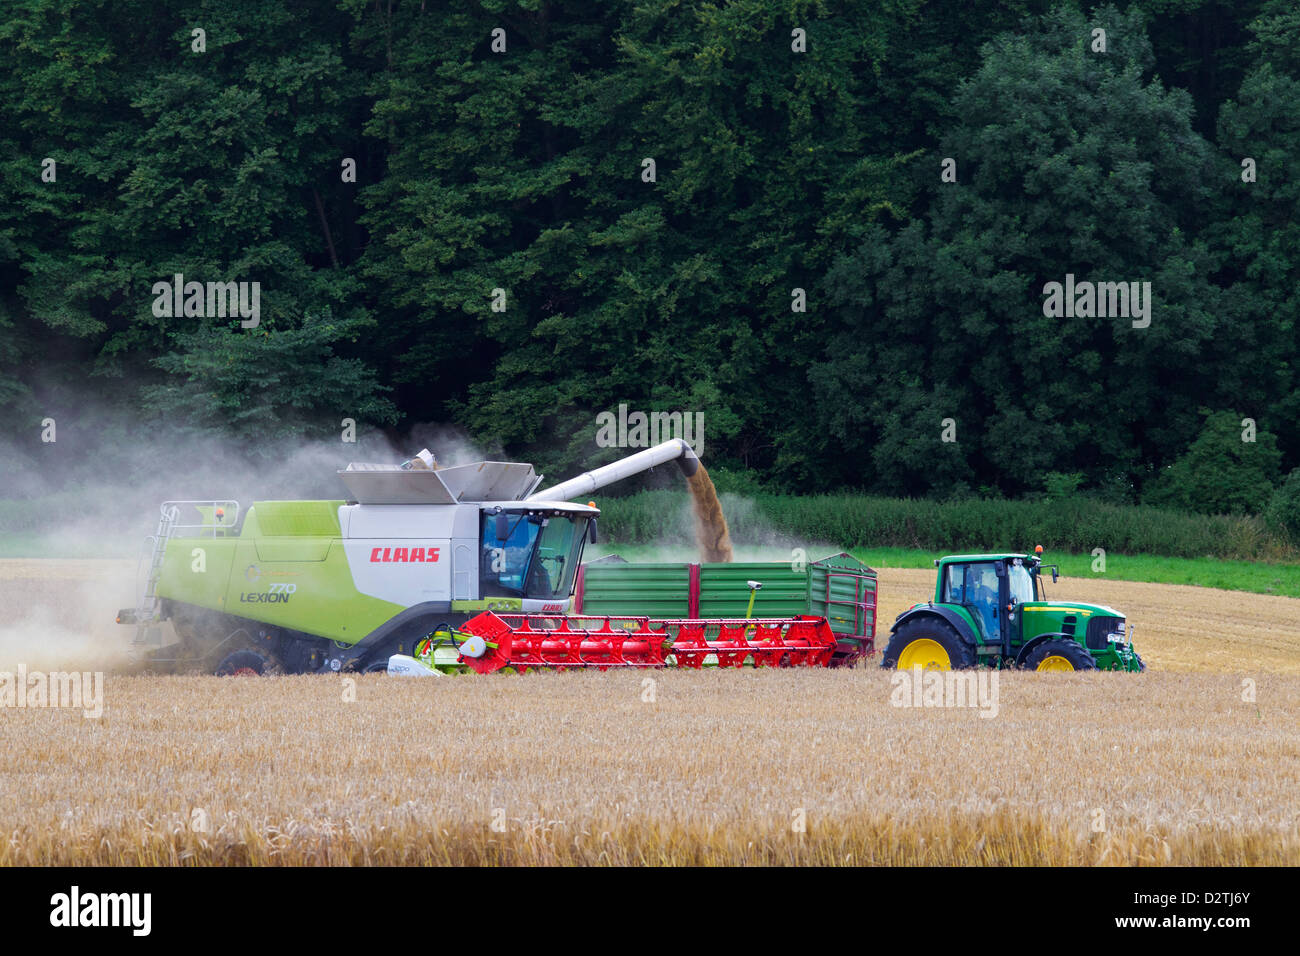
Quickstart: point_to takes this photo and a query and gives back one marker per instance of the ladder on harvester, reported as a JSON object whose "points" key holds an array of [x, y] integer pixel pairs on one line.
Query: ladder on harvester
{"points": [[217, 518], [146, 610]]}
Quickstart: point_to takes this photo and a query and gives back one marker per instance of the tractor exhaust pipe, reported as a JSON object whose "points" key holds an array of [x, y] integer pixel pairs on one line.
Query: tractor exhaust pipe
{"points": [[581, 486]]}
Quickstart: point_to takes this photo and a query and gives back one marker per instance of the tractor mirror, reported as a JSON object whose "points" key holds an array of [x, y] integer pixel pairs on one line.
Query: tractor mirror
{"points": [[1055, 575], [502, 526], [591, 531]]}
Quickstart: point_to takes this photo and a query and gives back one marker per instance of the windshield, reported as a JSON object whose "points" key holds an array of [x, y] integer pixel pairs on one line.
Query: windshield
{"points": [[537, 559], [1021, 583]]}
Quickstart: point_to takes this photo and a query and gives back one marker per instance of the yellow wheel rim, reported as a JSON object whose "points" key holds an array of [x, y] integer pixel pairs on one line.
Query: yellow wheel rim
{"points": [[1055, 663], [926, 654]]}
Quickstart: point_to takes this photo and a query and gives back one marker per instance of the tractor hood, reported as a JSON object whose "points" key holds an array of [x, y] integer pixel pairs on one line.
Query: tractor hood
{"points": [[1078, 608]]}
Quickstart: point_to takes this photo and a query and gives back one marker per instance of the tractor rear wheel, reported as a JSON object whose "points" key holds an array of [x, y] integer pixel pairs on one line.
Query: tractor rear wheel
{"points": [[1059, 654], [930, 644]]}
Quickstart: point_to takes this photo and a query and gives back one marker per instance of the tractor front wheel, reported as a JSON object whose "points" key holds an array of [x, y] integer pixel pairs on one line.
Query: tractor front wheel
{"points": [[930, 644], [1059, 654]]}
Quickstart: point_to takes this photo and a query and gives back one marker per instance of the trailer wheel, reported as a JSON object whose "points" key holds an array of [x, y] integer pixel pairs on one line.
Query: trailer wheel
{"points": [[928, 643], [245, 663], [1059, 654]]}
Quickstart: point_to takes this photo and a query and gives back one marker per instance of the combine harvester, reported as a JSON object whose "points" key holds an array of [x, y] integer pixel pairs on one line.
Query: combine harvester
{"points": [[470, 564]]}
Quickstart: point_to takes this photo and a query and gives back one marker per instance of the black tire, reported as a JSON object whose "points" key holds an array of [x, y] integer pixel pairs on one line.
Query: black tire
{"points": [[1062, 647], [961, 653], [245, 663], [377, 666]]}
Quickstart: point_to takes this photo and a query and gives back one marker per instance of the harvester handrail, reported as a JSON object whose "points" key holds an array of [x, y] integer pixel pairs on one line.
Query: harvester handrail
{"points": [[230, 518]]}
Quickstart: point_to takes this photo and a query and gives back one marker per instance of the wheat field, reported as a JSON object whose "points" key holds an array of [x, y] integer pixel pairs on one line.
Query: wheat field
{"points": [[716, 767], [722, 767]]}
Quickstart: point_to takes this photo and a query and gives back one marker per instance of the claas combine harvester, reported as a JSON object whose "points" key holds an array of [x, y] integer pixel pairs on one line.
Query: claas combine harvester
{"points": [[467, 566]]}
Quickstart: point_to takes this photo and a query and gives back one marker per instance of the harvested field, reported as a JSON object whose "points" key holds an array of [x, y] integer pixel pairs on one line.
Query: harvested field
{"points": [[1167, 767]]}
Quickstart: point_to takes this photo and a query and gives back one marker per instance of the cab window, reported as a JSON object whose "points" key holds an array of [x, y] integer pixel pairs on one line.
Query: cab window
{"points": [[505, 563], [975, 585], [1021, 583]]}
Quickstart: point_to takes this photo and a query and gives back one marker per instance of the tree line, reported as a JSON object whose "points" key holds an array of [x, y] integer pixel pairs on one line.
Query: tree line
{"points": [[826, 228]]}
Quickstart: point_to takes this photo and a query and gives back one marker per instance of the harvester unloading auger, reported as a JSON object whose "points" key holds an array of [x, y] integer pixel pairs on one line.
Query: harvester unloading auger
{"points": [[418, 556]]}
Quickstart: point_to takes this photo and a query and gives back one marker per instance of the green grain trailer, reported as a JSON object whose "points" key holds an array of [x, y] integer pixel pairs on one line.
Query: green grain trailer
{"points": [[839, 588]]}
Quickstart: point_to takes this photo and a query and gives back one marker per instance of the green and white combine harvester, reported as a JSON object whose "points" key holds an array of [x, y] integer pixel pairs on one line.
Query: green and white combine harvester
{"points": [[425, 570], [307, 586]]}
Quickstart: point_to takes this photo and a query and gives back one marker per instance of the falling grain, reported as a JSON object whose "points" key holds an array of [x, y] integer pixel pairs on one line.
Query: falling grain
{"points": [[710, 524]]}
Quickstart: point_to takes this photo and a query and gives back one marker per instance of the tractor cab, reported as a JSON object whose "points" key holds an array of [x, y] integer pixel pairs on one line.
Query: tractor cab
{"points": [[992, 609], [990, 588]]}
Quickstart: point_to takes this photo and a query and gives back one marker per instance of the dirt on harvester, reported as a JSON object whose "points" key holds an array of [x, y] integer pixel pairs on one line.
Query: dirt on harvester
{"points": [[710, 525]]}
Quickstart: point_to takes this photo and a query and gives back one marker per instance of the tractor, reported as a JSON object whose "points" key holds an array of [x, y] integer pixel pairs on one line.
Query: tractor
{"points": [[991, 610]]}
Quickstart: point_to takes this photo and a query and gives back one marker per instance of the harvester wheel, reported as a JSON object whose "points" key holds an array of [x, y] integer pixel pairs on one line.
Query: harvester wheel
{"points": [[1059, 654], [927, 643], [245, 663]]}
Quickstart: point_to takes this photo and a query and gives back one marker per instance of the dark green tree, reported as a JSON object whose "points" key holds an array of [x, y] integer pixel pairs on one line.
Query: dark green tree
{"points": [[1068, 162], [1222, 472]]}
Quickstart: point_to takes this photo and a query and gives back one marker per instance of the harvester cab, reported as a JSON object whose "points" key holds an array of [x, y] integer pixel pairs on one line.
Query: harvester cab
{"points": [[299, 586], [992, 610]]}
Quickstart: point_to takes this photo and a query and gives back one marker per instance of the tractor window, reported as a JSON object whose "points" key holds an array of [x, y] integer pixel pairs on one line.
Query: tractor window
{"points": [[968, 583], [976, 586], [1021, 582]]}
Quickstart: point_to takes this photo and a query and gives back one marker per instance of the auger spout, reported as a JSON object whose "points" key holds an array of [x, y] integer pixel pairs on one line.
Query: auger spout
{"points": [[584, 484]]}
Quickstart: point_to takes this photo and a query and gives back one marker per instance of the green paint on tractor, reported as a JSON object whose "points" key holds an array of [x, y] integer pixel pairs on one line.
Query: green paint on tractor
{"points": [[992, 610]]}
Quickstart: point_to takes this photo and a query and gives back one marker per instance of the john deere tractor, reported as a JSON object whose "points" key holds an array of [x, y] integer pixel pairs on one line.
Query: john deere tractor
{"points": [[991, 610]]}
